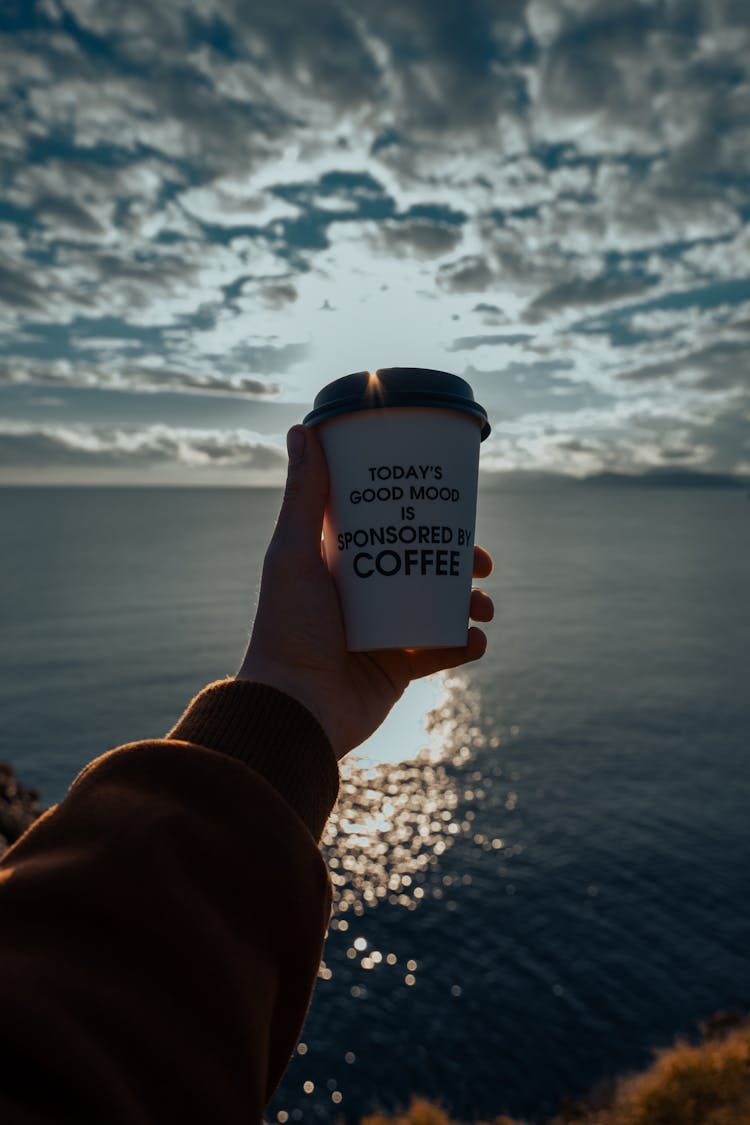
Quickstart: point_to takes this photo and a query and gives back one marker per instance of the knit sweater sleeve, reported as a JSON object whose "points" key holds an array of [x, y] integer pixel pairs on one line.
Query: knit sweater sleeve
{"points": [[161, 928]]}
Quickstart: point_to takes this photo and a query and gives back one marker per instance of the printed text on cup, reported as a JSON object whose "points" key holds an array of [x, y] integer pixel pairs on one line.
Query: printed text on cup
{"points": [[414, 546]]}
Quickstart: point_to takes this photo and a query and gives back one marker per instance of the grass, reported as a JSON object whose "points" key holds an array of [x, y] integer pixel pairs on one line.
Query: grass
{"points": [[687, 1084]]}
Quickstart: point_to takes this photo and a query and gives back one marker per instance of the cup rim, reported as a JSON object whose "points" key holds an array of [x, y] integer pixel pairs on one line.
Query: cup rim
{"points": [[334, 400]]}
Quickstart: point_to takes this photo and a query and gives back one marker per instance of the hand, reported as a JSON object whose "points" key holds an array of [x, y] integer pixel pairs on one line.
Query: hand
{"points": [[298, 643]]}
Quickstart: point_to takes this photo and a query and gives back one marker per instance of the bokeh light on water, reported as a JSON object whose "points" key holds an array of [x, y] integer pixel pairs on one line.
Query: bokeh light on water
{"points": [[386, 845], [394, 821]]}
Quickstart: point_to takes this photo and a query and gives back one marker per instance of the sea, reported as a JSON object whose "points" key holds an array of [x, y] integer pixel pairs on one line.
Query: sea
{"points": [[542, 861]]}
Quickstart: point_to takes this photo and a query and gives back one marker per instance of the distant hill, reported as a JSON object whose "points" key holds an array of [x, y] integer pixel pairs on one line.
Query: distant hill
{"points": [[651, 478]]}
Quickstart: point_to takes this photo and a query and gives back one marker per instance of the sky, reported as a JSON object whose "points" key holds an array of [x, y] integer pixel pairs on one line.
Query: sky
{"points": [[211, 208]]}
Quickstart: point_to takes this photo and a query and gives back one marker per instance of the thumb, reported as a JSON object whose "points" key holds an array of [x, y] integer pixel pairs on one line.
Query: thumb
{"points": [[300, 522]]}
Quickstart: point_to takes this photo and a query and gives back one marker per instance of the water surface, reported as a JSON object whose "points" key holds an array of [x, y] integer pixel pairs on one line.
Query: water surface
{"points": [[531, 894]]}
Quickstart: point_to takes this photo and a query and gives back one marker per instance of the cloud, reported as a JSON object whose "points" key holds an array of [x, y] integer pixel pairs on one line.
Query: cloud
{"points": [[718, 439], [722, 366], [278, 294], [65, 214], [580, 292], [491, 315], [19, 290], [231, 202], [60, 446], [591, 442], [420, 238], [518, 390], [470, 343], [650, 73], [727, 437], [470, 274], [217, 197], [129, 376]]}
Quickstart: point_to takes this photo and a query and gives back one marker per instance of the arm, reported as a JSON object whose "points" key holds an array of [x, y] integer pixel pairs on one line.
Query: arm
{"points": [[161, 928]]}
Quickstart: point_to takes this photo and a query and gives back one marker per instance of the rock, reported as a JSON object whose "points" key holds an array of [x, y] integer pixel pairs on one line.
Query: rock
{"points": [[19, 806]]}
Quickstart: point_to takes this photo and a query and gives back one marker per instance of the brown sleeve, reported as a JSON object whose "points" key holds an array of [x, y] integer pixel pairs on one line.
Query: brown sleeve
{"points": [[161, 928]]}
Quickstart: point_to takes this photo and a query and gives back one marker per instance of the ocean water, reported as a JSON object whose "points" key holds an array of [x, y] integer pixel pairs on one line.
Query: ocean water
{"points": [[541, 865]]}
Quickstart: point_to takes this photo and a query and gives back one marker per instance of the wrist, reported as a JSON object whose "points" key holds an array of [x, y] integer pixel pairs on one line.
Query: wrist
{"points": [[274, 735], [285, 680]]}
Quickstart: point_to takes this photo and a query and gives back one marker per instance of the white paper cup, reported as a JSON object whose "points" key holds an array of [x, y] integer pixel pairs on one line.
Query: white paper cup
{"points": [[402, 448]]}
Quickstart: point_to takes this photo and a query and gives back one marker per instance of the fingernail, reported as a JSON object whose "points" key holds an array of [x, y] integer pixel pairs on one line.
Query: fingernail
{"points": [[295, 444]]}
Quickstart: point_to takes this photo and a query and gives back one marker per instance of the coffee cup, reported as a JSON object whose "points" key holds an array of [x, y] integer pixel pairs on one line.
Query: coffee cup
{"points": [[402, 446]]}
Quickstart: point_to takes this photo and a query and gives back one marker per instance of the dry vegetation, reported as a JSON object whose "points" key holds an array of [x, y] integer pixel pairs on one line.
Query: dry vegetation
{"points": [[687, 1084]]}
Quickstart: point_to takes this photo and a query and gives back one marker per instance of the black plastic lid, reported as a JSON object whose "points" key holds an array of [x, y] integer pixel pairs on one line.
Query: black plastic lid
{"points": [[396, 386]]}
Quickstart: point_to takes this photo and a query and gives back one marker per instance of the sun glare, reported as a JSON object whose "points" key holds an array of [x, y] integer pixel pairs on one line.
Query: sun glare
{"points": [[374, 386]]}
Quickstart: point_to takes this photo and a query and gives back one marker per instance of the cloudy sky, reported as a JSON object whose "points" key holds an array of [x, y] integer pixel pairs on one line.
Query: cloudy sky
{"points": [[210, 208]]}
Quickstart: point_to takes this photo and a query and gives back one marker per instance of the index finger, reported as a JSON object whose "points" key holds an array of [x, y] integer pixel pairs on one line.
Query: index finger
{"points": [[482, 563]]}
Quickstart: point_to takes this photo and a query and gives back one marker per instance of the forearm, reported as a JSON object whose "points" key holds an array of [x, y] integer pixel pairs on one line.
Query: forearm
{"points": [[162, 927]]}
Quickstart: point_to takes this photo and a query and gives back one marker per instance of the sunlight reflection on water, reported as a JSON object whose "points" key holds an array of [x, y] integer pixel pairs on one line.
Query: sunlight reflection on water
{"points": [[396, 818], [405, 731], [405, 801]]}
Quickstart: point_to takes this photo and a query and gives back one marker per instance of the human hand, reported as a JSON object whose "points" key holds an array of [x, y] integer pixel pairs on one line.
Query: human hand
{"points": [[298, 643]]}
